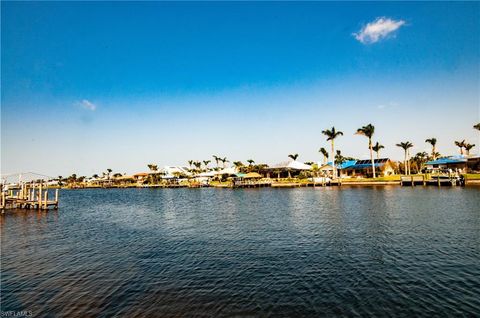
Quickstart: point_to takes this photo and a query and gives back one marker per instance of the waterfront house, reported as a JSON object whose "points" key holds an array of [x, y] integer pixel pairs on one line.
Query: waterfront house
{"points": [[454, 163], [473, 164], [124, 180], [327, 169], [363, 168], [288, 169], [140, 177], [170, 172]]}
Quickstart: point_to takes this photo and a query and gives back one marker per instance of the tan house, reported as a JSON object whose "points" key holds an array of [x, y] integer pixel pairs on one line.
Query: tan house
{"points": [[141, 176], [363, 168]]}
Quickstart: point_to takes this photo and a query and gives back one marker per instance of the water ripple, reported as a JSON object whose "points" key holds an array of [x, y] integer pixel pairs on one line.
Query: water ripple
{"points": [[378, 251]]}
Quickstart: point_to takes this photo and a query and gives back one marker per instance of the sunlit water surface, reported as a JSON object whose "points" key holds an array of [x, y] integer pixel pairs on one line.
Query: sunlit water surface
{"points": [[382, 251]]}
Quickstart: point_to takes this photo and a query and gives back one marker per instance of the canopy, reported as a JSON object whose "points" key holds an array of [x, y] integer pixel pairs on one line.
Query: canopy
{"points": [[252, 175], [445, 161]]}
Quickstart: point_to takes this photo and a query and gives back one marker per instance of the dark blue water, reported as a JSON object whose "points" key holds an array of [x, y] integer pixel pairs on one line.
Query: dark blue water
{"points": [[384, 251]]}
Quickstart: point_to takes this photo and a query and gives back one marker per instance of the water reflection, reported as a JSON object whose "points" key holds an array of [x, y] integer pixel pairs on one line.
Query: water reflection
{"points": [[262, 252]]}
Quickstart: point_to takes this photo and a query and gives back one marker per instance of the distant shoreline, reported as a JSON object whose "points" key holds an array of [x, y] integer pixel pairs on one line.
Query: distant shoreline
{"points": [[274, 185]]}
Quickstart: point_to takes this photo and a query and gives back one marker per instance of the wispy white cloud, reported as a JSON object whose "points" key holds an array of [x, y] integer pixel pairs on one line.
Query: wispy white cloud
{"points": [[88, 105], [377, 30], [387, 106]]}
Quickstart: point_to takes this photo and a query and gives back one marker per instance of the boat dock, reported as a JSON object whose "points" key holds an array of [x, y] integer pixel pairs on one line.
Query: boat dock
{"points": [[306, 184], [251, 184], [437, 180], [173, 186], [28, 196]]}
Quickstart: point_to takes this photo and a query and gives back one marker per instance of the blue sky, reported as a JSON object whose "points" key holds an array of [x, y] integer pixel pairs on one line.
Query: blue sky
{"points": [[88, 86]]}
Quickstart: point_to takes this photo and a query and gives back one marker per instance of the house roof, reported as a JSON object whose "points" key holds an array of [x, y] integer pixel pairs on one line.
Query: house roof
{"points": [[367, 163], [252, 175], [298, 165], [364, 166], [125, 178], [206, 174], [293, 164], [170, 170], [347, 164], [449, 160], [379, 161], [343, 165]]}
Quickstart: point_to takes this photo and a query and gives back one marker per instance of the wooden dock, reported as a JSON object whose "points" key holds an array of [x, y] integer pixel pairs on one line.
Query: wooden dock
{"points": [[164, 186], [28, 196], [439, 180], [251, 184], [306, 184]]}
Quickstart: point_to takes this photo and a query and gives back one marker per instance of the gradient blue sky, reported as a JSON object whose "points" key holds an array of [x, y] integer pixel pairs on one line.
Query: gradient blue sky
{"points": [[88, 86]]}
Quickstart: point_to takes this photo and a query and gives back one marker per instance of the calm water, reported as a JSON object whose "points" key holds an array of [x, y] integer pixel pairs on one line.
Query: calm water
{"points": [[385, 251]]}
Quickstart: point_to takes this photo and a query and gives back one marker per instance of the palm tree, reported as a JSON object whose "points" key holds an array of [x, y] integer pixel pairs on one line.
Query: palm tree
{"points": [[250, 162], [72, 179], [315, 169], [331, 135], [325, 154], [293, 156], [377, 147], [108, 173], [205, 163], [339, 158], [368, 132], [433, 142], [437, 155], [197, 165], [217, 159], [419, 160], [224, 160], [406, 146], [238, 165], [468, 147], [190, 163], [95, 176], [460, 144], [152, 167]]}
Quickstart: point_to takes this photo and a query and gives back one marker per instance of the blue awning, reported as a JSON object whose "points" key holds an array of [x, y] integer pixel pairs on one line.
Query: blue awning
{"points": [[445, 161]]}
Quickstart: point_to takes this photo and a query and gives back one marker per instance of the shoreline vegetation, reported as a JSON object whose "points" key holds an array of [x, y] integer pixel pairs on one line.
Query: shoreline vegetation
{"points": [[334, 168], [395, 180]]}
